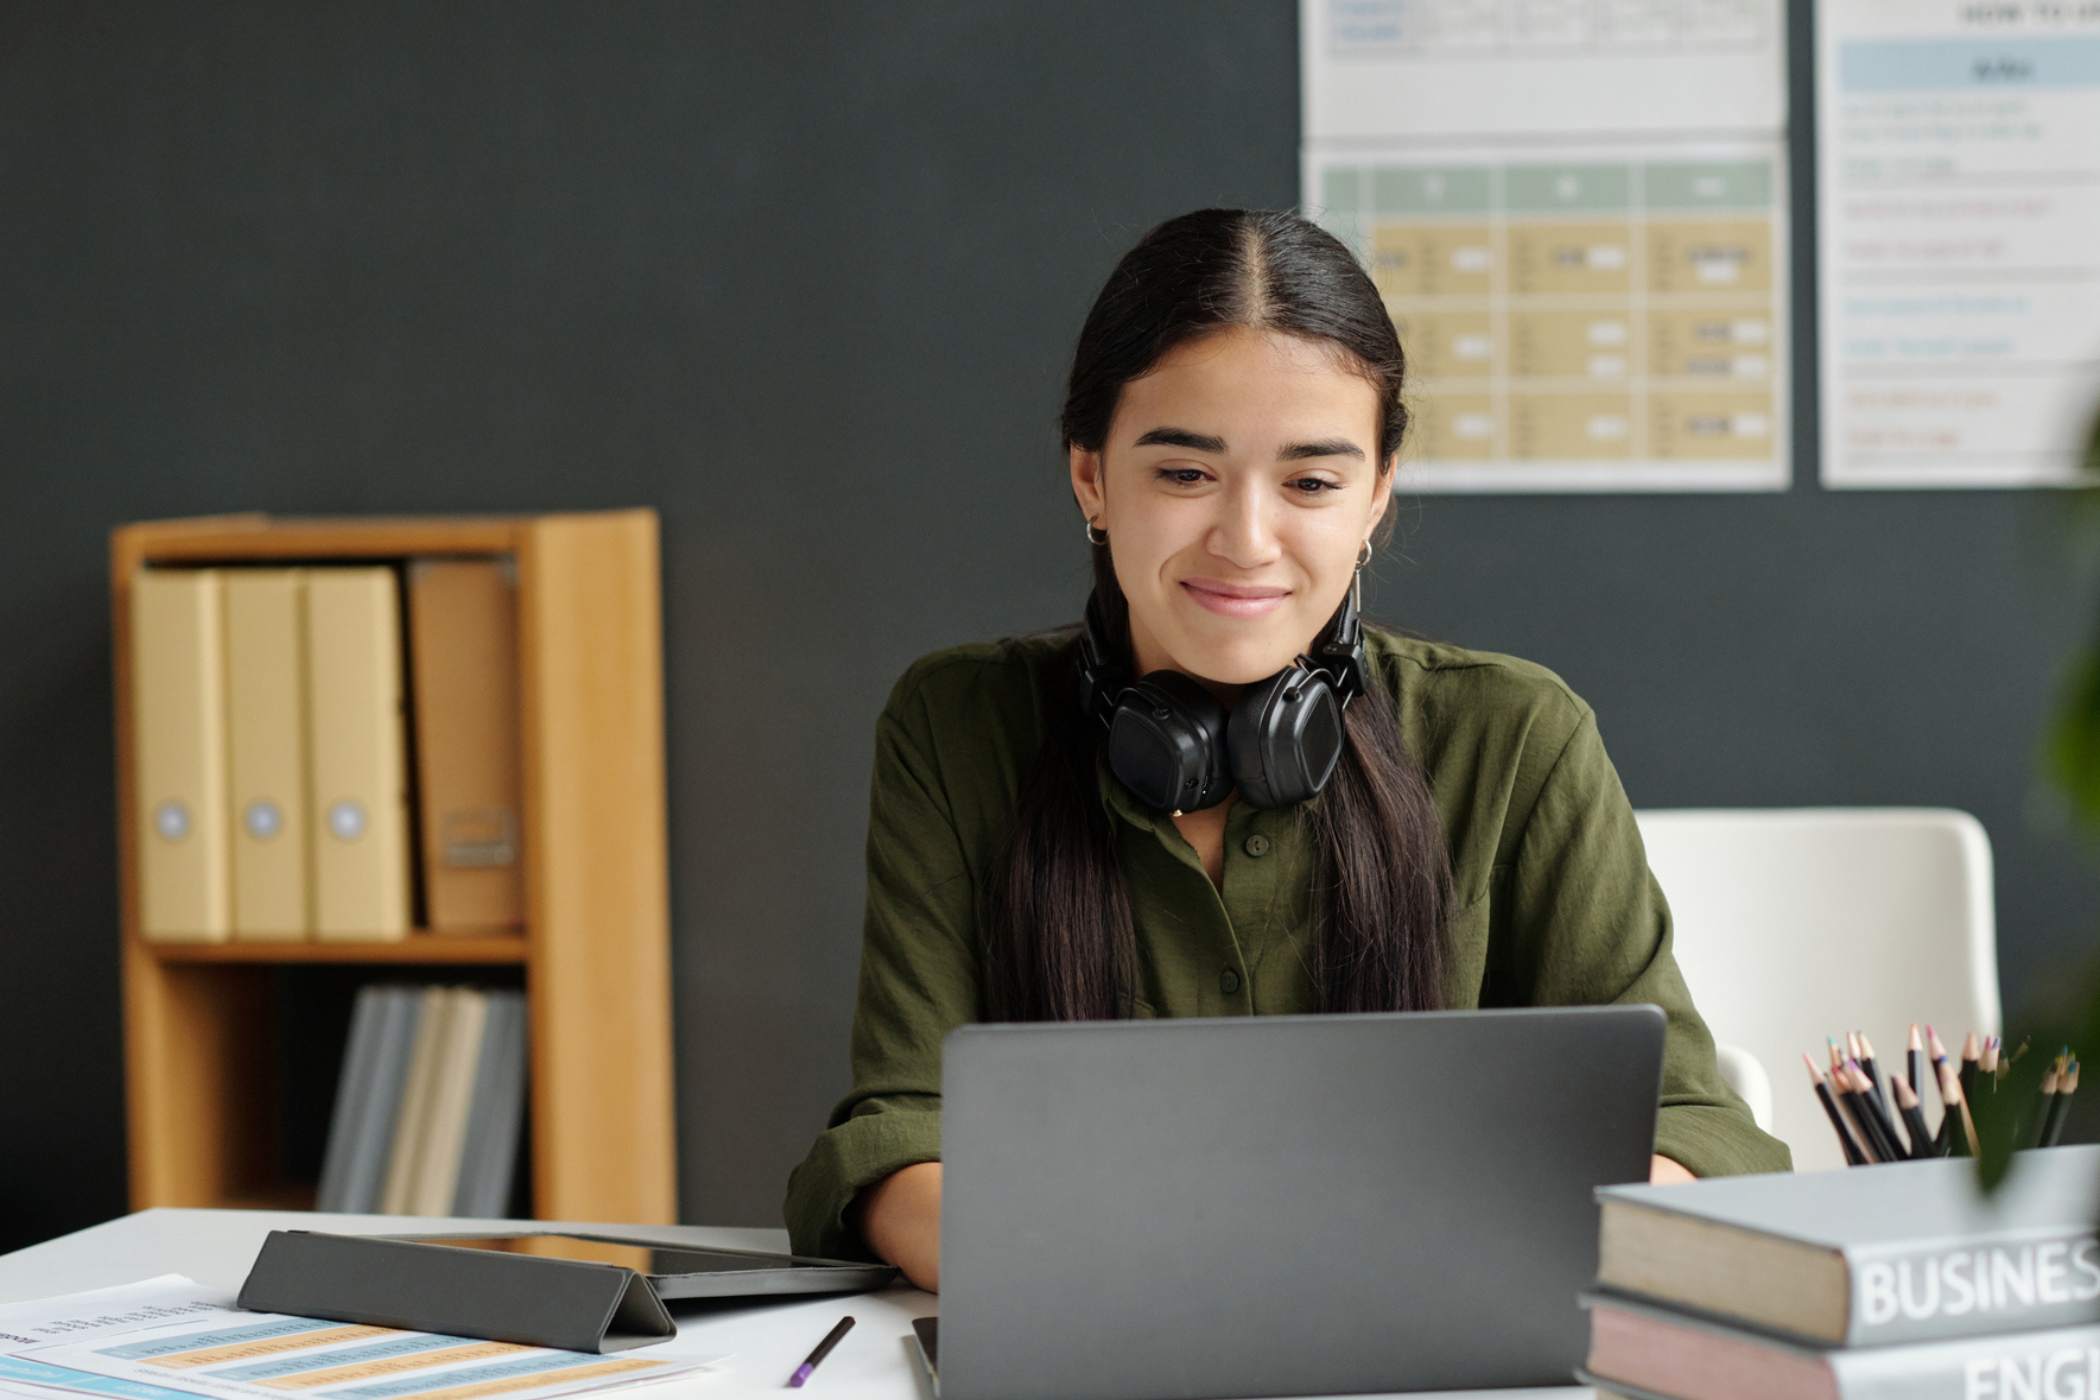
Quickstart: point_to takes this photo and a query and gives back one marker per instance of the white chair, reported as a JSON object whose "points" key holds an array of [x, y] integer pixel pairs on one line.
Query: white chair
{"points": [[1797, 924], [1742, 1072]]}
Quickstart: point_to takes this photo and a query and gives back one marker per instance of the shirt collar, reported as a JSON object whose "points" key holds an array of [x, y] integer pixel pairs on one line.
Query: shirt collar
{"points": [[1118, 800]]}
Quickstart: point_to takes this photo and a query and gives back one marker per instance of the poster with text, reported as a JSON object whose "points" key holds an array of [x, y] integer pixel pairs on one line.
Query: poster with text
{"points": [[1958, 189]]}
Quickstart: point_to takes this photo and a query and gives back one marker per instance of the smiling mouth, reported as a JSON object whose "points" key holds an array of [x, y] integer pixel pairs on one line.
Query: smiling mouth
{"points": [[1241, 603]]}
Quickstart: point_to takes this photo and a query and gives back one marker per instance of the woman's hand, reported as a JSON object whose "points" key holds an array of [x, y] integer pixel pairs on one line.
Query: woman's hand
{"points": [[900, 1218], [1662, 1171]]}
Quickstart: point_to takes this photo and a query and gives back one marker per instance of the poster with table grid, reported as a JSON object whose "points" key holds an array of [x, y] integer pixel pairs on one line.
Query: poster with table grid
{"points": [[1577, 217]]}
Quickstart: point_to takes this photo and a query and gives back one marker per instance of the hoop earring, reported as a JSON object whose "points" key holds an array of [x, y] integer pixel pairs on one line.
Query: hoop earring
{"points": [[1365, 557], [1093, 537]]}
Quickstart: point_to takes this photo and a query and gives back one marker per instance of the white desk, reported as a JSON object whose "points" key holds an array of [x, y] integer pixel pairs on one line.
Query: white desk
{"points": [[875, 1361]]}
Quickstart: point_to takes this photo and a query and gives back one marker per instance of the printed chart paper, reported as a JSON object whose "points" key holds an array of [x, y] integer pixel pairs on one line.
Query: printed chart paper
{"points": [[170, 1338], [1958, 147], [1576, 214]]}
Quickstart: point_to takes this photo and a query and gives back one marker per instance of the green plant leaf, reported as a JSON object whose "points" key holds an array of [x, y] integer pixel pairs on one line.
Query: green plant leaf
{"points": [[2005, 1116], [2073, 743]]}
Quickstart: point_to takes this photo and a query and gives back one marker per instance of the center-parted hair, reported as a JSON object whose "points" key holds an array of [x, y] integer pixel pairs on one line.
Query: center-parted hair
{"points": [[1059, 938]]}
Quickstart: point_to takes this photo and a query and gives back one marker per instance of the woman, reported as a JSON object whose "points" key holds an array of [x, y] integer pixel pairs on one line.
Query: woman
{"points": [[1231, 425]]}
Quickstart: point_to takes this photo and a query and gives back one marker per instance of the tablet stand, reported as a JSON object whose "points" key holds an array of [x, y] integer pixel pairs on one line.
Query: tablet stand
{"points": [[384, 1282]]}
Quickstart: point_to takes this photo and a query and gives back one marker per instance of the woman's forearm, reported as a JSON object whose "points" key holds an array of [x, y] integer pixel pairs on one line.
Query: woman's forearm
{"points": [[900, 1218]]}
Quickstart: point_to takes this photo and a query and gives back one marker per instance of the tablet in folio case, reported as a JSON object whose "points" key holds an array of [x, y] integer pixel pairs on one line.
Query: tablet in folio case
{"points": [[518, 1288]]}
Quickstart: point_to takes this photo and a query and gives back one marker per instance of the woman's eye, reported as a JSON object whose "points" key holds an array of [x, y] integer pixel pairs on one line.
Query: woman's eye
{"points": [[1316, 484], [1180, 476]]}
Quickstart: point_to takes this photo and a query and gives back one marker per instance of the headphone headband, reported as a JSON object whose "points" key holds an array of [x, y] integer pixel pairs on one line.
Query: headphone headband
{"points": [[1340, 645], [1100, 680]]}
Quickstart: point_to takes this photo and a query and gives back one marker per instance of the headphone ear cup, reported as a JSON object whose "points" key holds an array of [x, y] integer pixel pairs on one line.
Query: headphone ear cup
{"points": [[1285, 738], [1167, 743]]}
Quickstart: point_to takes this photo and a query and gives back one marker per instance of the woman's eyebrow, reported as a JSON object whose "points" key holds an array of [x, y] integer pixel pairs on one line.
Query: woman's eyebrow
{"points": [[1292, 451], [1325, 447], [1181, 437]]}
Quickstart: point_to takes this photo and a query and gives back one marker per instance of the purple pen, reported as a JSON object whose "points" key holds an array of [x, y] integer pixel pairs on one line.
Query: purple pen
{"points": [[831, 1339]]}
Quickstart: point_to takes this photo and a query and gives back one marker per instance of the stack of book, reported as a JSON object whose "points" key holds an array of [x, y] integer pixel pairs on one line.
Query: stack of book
{"points": [[1906, 1281], [302, 737], [430, 1105]]}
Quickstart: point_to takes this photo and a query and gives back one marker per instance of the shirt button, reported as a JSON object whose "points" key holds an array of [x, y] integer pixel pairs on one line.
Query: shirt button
{"points": [[1228, 981], [1256, 845]]}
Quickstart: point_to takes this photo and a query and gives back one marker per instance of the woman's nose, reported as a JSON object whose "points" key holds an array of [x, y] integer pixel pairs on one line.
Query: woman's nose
{"points": [[1243, 532]]}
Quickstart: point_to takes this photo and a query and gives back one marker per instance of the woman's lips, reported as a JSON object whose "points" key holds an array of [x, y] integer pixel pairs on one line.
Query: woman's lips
{"points": [[1228, 605]]}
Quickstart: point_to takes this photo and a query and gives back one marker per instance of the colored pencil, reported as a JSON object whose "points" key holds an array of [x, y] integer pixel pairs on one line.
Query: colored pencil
{"points": [[1853, 1156], [1938, 1055], [2065, 1087], [1866, 1062], [1933, 1044], [1913, 1116], [1884, 1130], [1864, 1114], [1848, 1104], [1957, 1109], [2044, 1104]]}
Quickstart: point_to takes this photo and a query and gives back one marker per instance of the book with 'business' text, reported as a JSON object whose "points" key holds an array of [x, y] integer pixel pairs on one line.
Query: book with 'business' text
{"points": [[1906, 1251]]}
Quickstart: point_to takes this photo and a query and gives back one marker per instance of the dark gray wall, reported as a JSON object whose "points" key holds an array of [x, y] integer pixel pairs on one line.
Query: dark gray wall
{"points": [[805, 278]]}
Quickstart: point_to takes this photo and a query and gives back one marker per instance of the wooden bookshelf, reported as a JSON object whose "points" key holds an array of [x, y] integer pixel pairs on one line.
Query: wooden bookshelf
{"points": [[202, 1054], [419, 949]]}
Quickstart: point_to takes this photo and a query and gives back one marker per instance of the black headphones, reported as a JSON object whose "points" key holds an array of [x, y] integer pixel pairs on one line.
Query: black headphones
{"points": [[1176, 748]]}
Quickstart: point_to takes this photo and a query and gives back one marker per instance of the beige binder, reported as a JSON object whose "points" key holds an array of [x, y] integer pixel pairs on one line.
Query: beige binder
{"points": [[266, 742], [418, 1094], [451, 1096], [463, 634], [178, 715], [359, 798]]}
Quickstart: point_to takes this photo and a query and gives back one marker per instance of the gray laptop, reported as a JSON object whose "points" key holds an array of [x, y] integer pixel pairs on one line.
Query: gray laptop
{"points": [[1281, 1205]]}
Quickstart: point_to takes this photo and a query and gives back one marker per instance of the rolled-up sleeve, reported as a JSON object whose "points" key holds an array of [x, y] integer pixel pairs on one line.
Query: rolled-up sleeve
{"points": [[918, 979], [1593, 927]]}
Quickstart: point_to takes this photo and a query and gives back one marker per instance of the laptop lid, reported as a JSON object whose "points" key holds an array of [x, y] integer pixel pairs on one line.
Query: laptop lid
{"points": [[1282, 1205]]}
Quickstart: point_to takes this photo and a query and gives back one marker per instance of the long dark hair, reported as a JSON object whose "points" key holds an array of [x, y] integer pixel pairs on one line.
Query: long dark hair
{"points": [[1059, 940]]}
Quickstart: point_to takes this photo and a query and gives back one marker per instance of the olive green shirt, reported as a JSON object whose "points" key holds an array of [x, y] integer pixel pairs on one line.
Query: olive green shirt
{"points": [[1555, 904]]}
